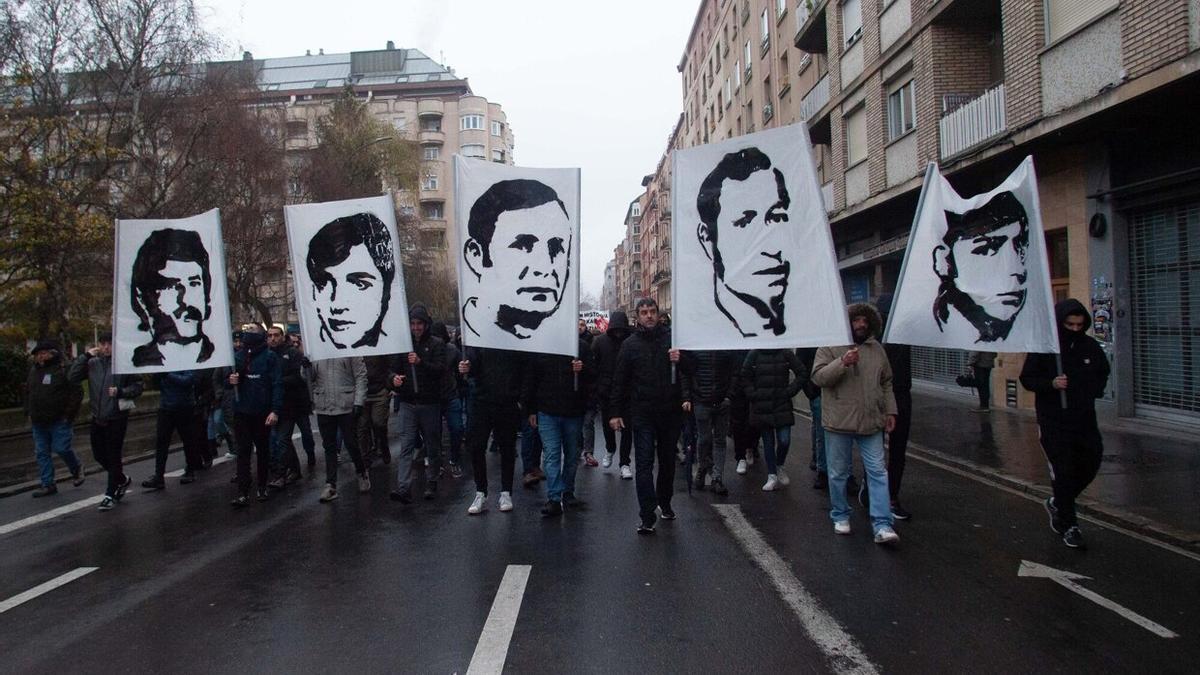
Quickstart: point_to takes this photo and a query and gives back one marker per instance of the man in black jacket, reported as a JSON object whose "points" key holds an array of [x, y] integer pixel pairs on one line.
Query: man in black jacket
{"points": [[604, 352], [51, 403], [556, 396], [495, 411], [110, 419], [1066, 414], [644, 394], [297, 405], [419, 404], [900, 358], [372, 423], [707, 391], [185, 394], [257, 388]]}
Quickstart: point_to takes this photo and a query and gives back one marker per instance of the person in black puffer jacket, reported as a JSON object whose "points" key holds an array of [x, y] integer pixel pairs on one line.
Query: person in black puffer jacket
{"points": [[185, 395], [708, 391], [419, 404], [1066, 413], [605, 349], [256, 385], [767, 381], [495, 411], [645, 399], [297, 407], [555, 399]]}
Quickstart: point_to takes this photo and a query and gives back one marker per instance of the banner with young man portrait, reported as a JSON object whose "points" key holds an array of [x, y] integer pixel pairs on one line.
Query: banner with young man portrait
{"points": [[170, 301], [753, 264], [975, 274], [348, 278], [518, 257]]}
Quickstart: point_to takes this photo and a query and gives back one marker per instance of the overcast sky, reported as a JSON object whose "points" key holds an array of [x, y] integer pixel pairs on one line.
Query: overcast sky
{"points": [[586, 84]]}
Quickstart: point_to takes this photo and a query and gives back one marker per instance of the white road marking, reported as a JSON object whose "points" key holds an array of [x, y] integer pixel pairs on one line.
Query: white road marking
{"points": [[492, 649], [42, 589], [1067, 581], [843, 652]]}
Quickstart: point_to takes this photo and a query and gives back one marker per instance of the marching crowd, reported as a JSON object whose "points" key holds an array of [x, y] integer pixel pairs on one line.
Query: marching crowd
{"points": [[658, 407]]}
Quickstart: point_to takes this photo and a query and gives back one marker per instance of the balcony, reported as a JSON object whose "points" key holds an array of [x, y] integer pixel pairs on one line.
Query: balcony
{"points": [[429, 107], [815, 99], [660, 277], [973, 123], [811, 35], [431, 137]]}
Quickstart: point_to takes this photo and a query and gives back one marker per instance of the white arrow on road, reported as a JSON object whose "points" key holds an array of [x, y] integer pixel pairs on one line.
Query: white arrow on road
{"points": [[1067, 581]]}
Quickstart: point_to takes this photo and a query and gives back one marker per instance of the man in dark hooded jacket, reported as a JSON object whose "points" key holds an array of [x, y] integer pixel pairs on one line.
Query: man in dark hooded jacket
{"points": [[707, 391], [257, 387], [419, 404], [1066, 413], [604, 355]]}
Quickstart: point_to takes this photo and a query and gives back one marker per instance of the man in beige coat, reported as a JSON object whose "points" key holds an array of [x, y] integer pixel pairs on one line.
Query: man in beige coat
{"points": [[339, 390], [857, 406]]}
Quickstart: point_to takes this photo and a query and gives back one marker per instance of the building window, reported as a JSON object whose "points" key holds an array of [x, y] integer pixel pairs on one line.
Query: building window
{"points": [[784, 73], [431, 153], [470, 122], [728, 91], [747, 56], [497, 128], [473, 150], [765, 29], [433, 240], [433, 211], [856, 136], [431, 124], [635, 210], [297, 129], [429, 182], [851, 21], [902, 114], [498, 156], [737, 75], [1065, 16], [780, 8], [399, 123]]}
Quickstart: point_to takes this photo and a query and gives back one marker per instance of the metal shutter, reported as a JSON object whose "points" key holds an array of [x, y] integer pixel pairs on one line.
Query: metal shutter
{"points": [[938, 365], [1064, 16], [1164, 270]]}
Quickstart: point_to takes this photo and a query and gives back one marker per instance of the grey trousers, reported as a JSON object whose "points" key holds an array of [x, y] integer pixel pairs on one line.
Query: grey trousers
{"points": [[712, 426], [426, 420]]}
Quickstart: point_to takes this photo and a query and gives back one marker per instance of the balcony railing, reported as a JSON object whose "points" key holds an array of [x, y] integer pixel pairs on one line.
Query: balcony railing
{"points": [[973, 123], [815, 99]]}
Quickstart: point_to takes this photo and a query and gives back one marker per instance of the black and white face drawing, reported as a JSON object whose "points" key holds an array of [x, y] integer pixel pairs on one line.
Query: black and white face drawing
{"points": [[351, 264], [519, 250], [170, 292], [743, 207], [981, 267]]}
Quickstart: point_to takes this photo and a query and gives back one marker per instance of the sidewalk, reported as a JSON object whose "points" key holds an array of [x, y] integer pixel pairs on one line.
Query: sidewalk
{"points": [[1149, 481]]}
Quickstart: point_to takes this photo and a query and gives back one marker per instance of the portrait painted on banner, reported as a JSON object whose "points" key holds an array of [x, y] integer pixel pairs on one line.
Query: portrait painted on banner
{"points": [[519, 251], [743, 207], [171, 295], [981, 266], [351, 264]]}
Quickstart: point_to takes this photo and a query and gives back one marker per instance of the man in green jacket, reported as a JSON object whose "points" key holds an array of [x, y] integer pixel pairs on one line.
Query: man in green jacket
{"points": [[857, 407]]}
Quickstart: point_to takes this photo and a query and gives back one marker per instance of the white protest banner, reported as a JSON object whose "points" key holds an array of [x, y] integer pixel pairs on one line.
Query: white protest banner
{"points": [[753, 264], [518, 266], [170, 301], [348, 277], [975, 274]]}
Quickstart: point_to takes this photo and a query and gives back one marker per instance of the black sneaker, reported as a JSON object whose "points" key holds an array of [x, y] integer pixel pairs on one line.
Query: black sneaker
{"points": [[77, 477], [107, 504], [122, 488], [1055, 524], [666, 513], [645, 528], [293, 475], [570, 501], [701, 475], [45, 491], [187, 477], [402, 496], [240, 501], [899, 512], [263, 495], [154, 483], [821, 482], [431, 490], [551, 509], [719, 488], [1073, 538]]}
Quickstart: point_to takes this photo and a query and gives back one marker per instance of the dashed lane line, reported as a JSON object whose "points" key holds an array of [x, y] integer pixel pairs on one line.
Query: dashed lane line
{"points": [[42, 589], [492, 649], [842, 650]]}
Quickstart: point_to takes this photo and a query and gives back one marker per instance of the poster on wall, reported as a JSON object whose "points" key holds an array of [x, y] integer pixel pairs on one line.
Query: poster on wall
{"points": [[348, 278], [753, 264], [170, 302], [518, 265], [975, 274]]}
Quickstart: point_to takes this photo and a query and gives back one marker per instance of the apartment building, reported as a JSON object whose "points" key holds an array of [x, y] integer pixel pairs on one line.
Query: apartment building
{"points": [[627, 256], [656, 228], [608, 292], [1100, 92]]}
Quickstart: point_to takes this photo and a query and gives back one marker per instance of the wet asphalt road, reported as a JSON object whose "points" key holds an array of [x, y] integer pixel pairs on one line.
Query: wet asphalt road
{"points": [[186, 584]]}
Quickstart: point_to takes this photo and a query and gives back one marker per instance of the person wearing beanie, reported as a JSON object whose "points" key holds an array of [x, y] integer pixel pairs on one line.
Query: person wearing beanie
{"points": [[604, 353], [417, 382]]}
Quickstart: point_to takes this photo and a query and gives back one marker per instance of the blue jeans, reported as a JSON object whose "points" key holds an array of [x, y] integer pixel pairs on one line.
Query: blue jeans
{"points": [[870, 446], [560, 453], [54, 437], [216, 424], [775, 447], [456, 424], [818, 435]]}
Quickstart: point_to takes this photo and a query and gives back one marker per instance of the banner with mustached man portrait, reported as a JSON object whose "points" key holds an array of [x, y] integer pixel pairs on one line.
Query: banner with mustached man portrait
{"points": [[518, 256], [348, 278], [975, 274], [170, 302], [752, 261]]}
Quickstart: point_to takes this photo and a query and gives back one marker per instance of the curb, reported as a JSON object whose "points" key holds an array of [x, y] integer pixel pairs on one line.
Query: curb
{"points": [[27, 486]]}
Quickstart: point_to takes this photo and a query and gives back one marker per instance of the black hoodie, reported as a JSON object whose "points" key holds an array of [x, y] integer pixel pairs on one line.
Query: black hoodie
{"points": [[604, 353], [1083, 362]]}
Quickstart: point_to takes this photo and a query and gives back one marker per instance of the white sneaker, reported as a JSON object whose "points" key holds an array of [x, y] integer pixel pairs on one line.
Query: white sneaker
{"points": [[364, 483], [608, 459], [329, 493], [772, 483], [626, 472], [783, 477], [477, 506], [741, 467], [886, 535], [841, 527], [506, 501]]}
